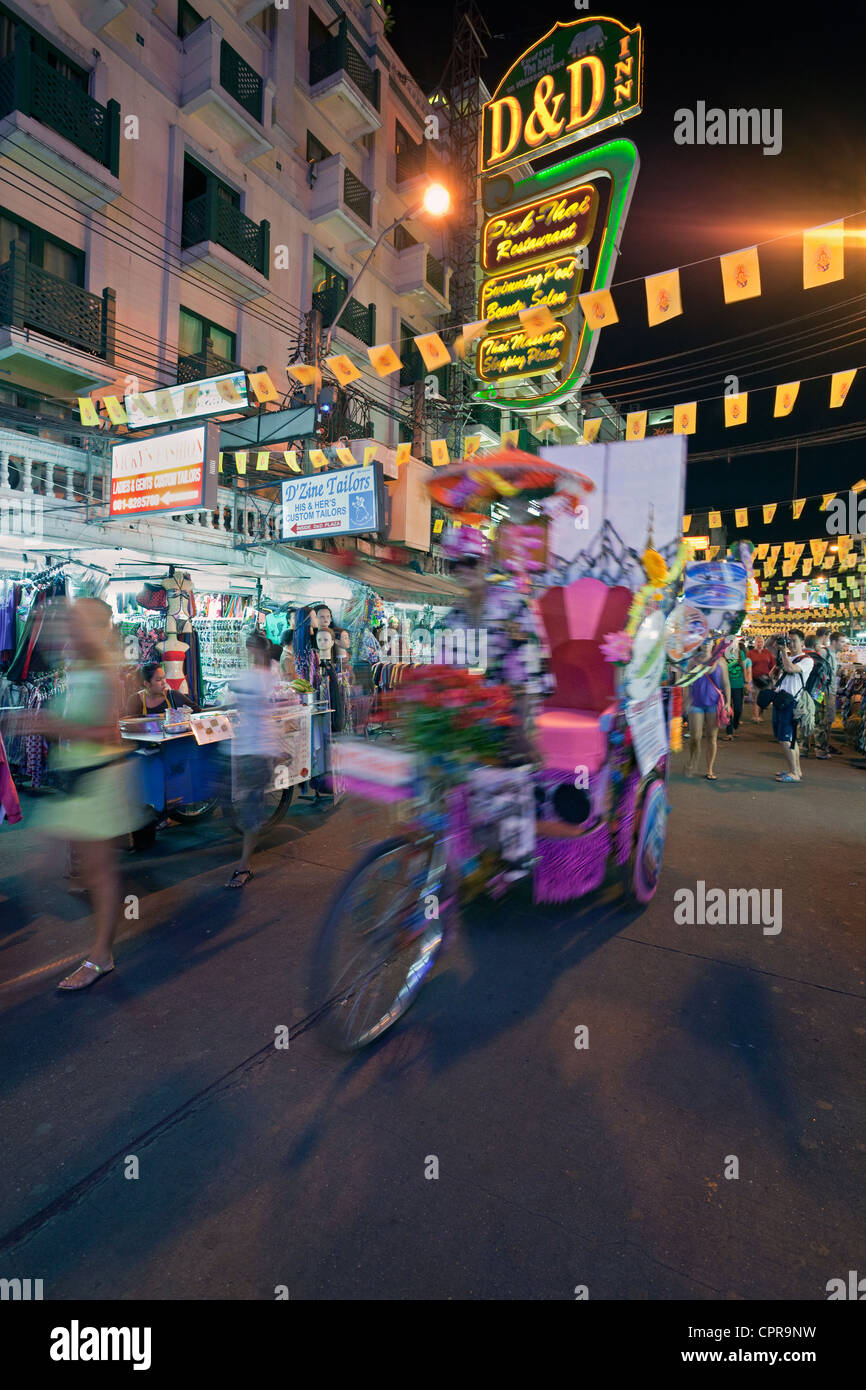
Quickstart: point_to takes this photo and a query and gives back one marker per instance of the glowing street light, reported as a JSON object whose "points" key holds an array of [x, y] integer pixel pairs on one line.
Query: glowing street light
{"points": [[437, 200]]}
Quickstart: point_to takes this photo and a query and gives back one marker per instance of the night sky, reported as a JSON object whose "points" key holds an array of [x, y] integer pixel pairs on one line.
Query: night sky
{"points": [[696, 202]]}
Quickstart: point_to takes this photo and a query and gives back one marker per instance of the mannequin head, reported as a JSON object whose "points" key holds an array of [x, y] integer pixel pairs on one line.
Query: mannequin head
{"points": [[325, 643]]}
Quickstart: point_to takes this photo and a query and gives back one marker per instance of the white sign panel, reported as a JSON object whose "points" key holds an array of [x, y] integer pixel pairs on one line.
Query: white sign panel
{"points": [[213, 396], [342, 503], [167, 473], [646, 719]]}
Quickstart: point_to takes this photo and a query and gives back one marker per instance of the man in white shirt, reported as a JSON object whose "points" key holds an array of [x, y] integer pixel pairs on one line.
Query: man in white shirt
{"points": [[796, 669]]}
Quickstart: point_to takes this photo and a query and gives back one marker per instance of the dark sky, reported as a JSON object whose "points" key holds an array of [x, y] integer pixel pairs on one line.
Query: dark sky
{"points": [[696, 202]]}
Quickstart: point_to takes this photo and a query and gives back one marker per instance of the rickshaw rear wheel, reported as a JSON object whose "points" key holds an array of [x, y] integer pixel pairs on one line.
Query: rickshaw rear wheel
{"points": [[642, 870], [193, 813]]}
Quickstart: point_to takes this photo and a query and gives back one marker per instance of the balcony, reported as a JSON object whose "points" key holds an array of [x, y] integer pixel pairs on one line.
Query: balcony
{"points": [[344, 86], [56, 130], [419, 274], [223, 246], [199, 365], [416, 162], [487, 421], [49, 327], [221, 89], [342, 205], [355, 319]]}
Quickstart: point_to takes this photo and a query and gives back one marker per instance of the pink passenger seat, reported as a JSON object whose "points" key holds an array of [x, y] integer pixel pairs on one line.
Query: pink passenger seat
{"points": [[576, 618]]}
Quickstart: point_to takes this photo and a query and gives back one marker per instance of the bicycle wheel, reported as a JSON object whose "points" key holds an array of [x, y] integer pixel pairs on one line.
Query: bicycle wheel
{"points": [[277, 803], [195, 811], [377, 946]]}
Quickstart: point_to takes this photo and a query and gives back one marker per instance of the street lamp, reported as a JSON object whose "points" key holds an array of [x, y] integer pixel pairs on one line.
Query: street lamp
{"points": [[436, 202]]}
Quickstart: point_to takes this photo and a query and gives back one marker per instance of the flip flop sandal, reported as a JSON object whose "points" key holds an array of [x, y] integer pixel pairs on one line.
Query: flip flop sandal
{"points": [[240, 878], [786, 777], [710, 777], [98, 970]]}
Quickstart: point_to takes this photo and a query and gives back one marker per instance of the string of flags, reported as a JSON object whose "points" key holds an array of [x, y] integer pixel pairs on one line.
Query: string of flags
{"points": [[746, 516]]}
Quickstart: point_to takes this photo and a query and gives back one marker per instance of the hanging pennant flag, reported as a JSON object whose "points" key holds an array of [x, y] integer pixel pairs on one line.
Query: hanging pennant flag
{"points": [[384, 360], [663, 297], [635, 425], [741, 275], [343, 368], [712, 551], [437, 527], [819, 550], [164, 404], [221, 464], [807, 567], [307, 376], [789, 549], [769, 568], [797, 506], [87, 411], [787, 568], [404, 453], [686, 418], [471, 445], [263, 388], [785, 397], [145, 407], [467, 335], [687, 521], [116, 412], [346, 458], [508, 439], [536, 319], [845, 543], [774, 552], [598, 309], [829, 561], [741, 515], [226, 390], [263, 459], [546, 426], [736, 409], [827, 499], [591, 429], [715, 520], [318, 458], [769, 510], [823, 254], [291, 457], [191, 396], [241, 461], [761, 551], [840, 385], [799, 547], [439, 452], [370, 451], [433, 350], [858, 487]]}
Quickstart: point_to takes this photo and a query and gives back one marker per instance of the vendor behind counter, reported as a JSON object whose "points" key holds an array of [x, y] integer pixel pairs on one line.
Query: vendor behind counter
{"points": [[155, 695]]}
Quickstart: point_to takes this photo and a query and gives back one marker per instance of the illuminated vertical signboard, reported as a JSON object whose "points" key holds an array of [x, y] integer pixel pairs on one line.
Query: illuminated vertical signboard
{"points": [[555, 234]]}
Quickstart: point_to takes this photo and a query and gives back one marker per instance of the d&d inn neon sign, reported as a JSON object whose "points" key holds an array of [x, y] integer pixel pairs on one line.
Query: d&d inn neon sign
{"points": [[580, 78]]}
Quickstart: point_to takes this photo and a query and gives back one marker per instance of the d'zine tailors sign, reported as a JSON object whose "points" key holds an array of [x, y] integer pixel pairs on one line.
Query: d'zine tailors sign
{"points": [[346, 502]]}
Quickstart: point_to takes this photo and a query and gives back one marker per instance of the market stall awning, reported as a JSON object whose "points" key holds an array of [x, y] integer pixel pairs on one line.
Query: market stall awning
{"points": [[395, 583]]}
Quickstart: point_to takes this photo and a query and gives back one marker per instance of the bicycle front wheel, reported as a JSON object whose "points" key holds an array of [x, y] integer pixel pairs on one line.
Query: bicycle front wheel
{"points": [[378, 943]]}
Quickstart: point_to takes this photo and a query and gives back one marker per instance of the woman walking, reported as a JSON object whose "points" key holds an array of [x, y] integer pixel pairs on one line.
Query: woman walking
{"points": [[709, 700]]}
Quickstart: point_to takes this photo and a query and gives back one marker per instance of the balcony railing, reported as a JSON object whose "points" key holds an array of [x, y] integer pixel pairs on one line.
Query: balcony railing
{"points": [[435, 274], [30, 85], [355, 318], [204, 364], [357, 197], [34, 298], [240, 81], [415, 160], [487, 416], [340, 54], [211, 218]]}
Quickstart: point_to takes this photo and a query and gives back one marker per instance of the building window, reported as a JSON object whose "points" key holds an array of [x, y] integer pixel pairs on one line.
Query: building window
{"points": [[315, 149], [196, 180], [402, 139], [195, 332], [42, 48], [318, 32], [47, 252], [264, 22], [188, 19], [326, 278]]}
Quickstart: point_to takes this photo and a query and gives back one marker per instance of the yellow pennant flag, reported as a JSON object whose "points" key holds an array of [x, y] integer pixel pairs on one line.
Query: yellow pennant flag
{"points": [[686, 418], [404, 453], [663, 297], [712, 551], [307, 376], [787, 568], [591, 429], [799, 547], [741, 275], [742, 516], [840, 385], [318, 458], [346, 458], [761, 550], [291, 457], [785, 397], [191, 395], [635, 425], [87, 411], [789, 549], [769, 510], [769, 568], [859, 487], [826, 500], [241, 461], [598, 309], [537, 319], [116, 412], [546, 426], [819, 550], [370, 451], [437, 527], [263, 388], [736, 409], [807, 567], [433, 350], [384, 360], [165, 404], [343, 368], [823, 254], [439, 452], [829, 561], [226, 389], [221, 464], [797, 506], [471, 445], [687, 521], [508, 439], [715, 520], [263, 459], [467, 335], [845, 543], [774, 552], [146, 407]]}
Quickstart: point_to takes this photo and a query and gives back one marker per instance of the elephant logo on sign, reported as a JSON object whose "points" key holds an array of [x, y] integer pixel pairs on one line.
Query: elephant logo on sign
{"points": [[588, 40]]}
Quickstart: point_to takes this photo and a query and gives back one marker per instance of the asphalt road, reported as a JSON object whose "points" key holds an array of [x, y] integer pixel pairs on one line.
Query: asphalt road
{"points": [[602, 1166]]}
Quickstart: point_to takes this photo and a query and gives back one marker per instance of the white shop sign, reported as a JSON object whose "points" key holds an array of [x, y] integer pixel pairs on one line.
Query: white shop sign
{"points": [[345, 502]]}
